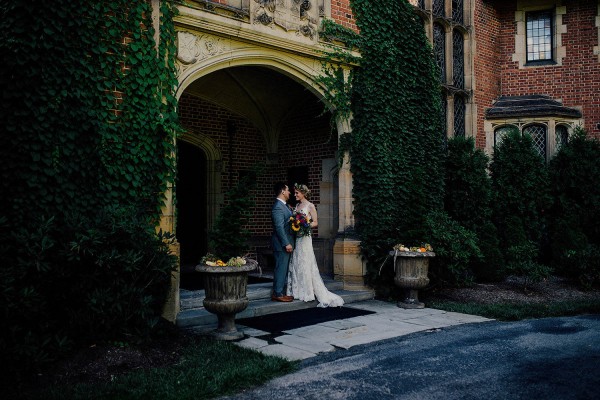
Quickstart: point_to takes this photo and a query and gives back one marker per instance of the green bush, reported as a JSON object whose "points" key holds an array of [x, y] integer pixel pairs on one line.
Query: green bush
{"points": [[521, 260], [521, 187], [468, 200], [79, 281], [575, 214], [455, 250], [230, 234]]}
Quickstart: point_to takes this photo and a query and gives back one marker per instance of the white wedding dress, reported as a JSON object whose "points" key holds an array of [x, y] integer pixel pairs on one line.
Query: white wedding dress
{"points": [[304, 281]]}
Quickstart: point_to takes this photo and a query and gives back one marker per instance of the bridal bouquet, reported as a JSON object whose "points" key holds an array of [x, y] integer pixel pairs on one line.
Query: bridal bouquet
{"points": [[300, 223]]}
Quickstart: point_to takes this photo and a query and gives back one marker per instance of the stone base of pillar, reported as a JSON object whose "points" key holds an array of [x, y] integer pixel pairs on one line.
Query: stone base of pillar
{"points": [[171, 307], [348, 266]]}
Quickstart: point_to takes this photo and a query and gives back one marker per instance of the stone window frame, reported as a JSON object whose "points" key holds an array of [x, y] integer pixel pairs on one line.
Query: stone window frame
{"points": [[521, 123], [448, 90], [558, 51]]}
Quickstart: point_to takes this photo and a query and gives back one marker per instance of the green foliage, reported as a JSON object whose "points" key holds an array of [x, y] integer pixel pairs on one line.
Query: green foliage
{"points": [[519, 311], [81, 280], [207, 369], [575, 214], [468, 200], [520, 181], [455, 250], [230, 234], [521, 260], [397, 142], [88, 106], [89, 112]]}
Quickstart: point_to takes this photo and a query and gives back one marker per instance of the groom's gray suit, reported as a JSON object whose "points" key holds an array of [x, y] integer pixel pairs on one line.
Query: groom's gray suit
{"points": [[281, 237]]}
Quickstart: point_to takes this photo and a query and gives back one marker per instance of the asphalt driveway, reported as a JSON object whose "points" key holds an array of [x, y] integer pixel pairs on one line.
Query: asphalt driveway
{"points": [[552, 358]]}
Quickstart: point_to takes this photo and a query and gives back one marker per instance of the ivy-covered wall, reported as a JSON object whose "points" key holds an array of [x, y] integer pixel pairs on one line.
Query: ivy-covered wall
{"points": [[87, 106], [397, 141]]}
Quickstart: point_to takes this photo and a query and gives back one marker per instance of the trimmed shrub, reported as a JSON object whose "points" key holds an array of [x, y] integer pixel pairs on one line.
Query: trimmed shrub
{"points": [[520, 182], [468, 200], [575, 213]]}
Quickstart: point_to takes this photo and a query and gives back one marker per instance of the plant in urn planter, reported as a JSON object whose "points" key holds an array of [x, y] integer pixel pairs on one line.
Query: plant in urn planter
{"points": [[411, 265], [225, 269]]}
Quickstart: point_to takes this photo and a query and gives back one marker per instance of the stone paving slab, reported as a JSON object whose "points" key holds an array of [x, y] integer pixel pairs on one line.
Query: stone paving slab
{"points": [[311, 331], [389, 321], [251, 331], [314, 345]]}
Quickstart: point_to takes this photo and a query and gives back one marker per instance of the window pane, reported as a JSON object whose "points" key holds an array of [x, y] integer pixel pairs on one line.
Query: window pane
{"points": [[538, 134], [422, 4], [439, 8], [459, 116], [439, 47], [458, 60], [539, 35], [500, 133], [457, 11], [562, 136]]}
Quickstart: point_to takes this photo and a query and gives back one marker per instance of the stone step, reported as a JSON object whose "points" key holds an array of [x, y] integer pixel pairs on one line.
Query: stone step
{"points": [[190, 299], [260, 304]]}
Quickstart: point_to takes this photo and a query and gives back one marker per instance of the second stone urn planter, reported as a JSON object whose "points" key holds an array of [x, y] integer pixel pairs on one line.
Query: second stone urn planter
{"points": [[411, 268], [225, 295]]}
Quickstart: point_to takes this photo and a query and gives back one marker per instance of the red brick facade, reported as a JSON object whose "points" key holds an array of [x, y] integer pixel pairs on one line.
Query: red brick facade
{"points": [[342, 14], [576, 82]]}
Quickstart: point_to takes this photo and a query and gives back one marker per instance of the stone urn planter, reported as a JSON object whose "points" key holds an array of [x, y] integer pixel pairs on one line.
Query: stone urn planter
{"points": [[225, 295], [411, 268]]}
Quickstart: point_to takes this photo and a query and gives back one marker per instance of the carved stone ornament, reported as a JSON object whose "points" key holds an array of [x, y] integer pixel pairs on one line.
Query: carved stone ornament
{"points": [[187, 49], [290, 15], [192, 48]]}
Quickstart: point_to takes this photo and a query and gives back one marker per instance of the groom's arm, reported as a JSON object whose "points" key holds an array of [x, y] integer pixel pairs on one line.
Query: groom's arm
{"points": [[279, 224]]}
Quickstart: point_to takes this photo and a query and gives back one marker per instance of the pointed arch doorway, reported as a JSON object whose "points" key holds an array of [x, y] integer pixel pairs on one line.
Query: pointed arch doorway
{"points": [[191, 210]]}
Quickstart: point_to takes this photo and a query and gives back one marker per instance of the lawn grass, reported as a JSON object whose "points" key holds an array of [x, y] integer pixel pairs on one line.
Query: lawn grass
{"points": [[519, 311], [207, 370]]}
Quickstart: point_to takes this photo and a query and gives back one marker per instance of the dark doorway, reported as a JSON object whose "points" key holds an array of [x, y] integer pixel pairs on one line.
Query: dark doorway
{"points": [[190, 194]]}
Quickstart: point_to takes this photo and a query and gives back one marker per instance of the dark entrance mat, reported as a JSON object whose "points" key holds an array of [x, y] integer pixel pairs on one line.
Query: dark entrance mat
{"points": [[274, 323]]}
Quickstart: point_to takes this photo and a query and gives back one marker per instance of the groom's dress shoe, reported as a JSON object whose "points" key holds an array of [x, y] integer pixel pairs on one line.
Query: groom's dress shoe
{"points": [[285, 299]]}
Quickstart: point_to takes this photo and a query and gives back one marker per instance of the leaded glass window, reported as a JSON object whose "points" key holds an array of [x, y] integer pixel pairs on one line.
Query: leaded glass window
{"points": [[422, 4], [457, 11], [458, 59], [439, 8], [538, 134], [459, 116], [501, 133], [539, 36], [562, 136], [439, 47]]}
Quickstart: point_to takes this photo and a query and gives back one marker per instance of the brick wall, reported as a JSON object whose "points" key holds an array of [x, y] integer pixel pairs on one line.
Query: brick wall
{"points": [[486, 62], [342, 14], [576, 82], [305, 141]]}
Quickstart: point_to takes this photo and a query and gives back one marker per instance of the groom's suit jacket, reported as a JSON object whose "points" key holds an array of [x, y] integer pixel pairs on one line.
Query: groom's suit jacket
{"points": [[282, 235]]}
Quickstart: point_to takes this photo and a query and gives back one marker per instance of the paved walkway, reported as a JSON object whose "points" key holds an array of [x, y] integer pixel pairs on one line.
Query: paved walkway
{"points": [[389, 321]]}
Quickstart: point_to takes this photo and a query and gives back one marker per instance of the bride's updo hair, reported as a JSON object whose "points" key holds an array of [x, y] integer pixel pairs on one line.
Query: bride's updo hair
{"points": [[303, 189]]}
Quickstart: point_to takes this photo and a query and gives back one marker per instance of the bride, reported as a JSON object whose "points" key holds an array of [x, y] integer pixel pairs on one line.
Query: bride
{"points": [[304, 281]]}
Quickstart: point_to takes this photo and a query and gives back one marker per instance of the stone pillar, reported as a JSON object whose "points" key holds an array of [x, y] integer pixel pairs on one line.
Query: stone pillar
{"points": [[348, 265], [167, 224]]}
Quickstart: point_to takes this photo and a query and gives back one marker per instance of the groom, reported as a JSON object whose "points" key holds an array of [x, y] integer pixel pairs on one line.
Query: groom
{"points": [[281, 241]]}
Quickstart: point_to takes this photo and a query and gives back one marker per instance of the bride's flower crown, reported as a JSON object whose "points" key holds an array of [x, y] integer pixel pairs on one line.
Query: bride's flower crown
{"points": [[302, 189]]}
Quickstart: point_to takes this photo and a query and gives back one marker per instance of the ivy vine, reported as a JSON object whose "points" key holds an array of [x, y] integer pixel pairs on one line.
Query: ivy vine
{"points": [[88, 106], [396, 145]]}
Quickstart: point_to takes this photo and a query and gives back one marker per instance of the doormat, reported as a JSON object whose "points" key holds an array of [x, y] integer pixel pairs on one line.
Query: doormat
{"points": [[275, 323]]}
